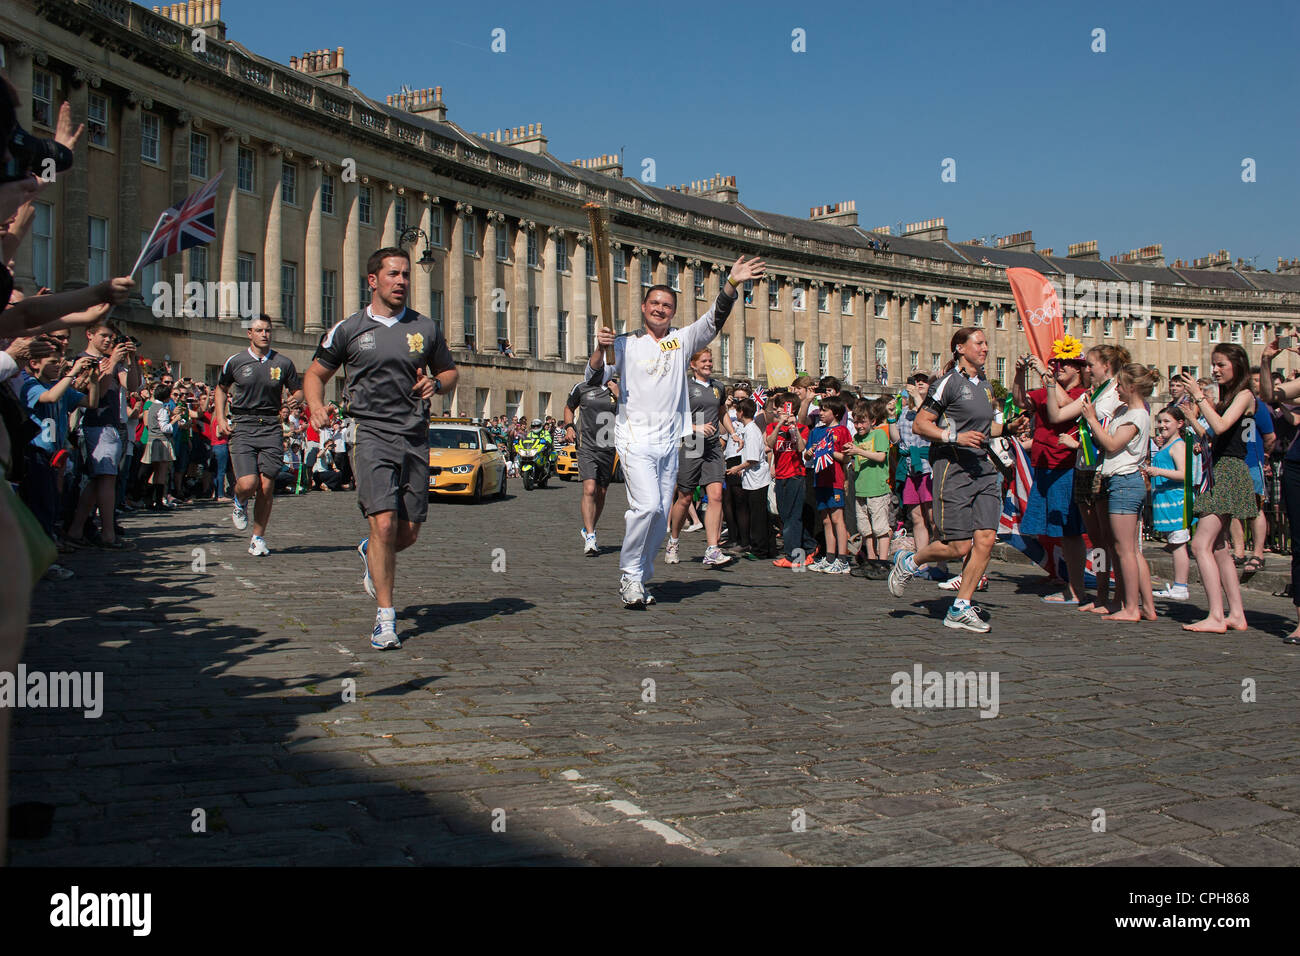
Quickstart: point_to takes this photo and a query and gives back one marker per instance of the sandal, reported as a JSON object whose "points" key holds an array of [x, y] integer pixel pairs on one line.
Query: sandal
{"points": [[1252, 564]]}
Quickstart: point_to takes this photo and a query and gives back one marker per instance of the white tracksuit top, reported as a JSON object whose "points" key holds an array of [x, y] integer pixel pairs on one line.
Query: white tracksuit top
{"points": [[653, 407]]}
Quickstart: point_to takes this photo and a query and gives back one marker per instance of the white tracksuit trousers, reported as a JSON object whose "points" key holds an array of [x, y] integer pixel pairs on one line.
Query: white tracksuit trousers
{"points": [[650, 477]]}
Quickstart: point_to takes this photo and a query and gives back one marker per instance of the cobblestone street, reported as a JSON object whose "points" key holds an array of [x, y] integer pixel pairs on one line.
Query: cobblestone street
{"points": [[517, 724]]}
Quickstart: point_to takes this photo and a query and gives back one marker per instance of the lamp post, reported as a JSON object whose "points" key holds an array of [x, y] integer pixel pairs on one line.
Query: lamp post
{"points": [[408, 237]]}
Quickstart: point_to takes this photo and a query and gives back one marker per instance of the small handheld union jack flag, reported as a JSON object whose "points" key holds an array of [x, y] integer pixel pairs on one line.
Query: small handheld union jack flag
{"points": [[823, 454], [191, 223], [760, 396]]}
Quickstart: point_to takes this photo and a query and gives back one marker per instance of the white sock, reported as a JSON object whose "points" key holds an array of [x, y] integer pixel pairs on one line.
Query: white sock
{"points": [[672, 540], [387, 613]]}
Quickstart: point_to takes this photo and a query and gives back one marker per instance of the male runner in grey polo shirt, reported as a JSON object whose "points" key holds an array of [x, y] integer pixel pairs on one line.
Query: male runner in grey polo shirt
{"points": [[388, 350], [251, 387], [596, 406]]}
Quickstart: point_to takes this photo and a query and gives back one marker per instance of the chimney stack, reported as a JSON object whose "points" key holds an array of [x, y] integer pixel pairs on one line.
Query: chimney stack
{"points": [[1084, 250], [932, 229], [204, 14], [324, 65], [837, 214], [427, 103]]}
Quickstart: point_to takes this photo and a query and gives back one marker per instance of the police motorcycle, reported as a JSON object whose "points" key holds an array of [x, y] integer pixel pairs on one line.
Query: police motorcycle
{"points": [[536, 453]]}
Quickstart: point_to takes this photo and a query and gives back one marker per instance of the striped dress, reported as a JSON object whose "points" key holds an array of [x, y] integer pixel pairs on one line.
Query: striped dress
{"points": [[1166, 493]]}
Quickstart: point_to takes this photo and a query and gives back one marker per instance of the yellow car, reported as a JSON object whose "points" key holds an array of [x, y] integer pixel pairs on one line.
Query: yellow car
{"points": [[463, 460], [566, 464]]}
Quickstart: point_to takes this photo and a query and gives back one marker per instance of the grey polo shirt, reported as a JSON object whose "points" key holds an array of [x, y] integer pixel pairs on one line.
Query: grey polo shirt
{"points": [[705, 399], [383, 358], [965, 404], [596, 409], [256, 385]]}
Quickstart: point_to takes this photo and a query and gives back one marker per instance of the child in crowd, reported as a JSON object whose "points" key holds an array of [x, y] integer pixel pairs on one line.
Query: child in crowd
{"points": [[786, 439], [871, 478], [1126, 442], [755, 476], [826, 453], [1166, 472]]}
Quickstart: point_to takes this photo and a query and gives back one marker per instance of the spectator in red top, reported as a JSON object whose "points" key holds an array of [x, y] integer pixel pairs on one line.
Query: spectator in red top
{"points": [[786, 438], [220, 452], [1051, 513], [825, 457]]}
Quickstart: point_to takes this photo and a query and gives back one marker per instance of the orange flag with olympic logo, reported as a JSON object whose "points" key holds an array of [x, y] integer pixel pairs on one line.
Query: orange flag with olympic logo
{"points": [[1040, 310]]}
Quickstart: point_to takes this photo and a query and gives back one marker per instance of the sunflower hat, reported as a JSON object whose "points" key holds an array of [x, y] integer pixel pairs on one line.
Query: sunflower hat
{"points": [[1067, 349]]}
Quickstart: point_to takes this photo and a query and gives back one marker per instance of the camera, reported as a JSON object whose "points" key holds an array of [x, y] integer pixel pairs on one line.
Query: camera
{"points": [[1285, 341], [29, 154]]}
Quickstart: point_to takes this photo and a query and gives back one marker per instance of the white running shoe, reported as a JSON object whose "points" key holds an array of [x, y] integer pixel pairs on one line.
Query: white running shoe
{"points": [[257, 547], [715, 556], [899, 575], [839, 566], [589, 547], [384, 636], [954, 584], [1174, 593], [367, 582], [695, 526], [239, 516], [968, 619], [670, 551], [632, 593], [821, 564], [649, 594]]}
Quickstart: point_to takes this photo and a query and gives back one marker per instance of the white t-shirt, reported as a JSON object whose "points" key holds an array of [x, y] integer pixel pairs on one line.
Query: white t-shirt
{"points": [[654, 410], [757, 475], [1106, 404], [1126, 460]]}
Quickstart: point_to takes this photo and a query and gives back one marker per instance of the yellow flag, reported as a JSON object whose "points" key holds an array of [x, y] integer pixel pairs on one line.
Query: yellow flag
{"points": [[780, 367]]}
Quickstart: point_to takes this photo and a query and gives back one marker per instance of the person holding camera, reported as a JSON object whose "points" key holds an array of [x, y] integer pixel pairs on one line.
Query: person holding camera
{"points": [[103, 431]]}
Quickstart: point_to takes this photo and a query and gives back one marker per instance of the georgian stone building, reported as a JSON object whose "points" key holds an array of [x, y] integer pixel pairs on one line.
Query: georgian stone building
{"points": [[315, 176]]}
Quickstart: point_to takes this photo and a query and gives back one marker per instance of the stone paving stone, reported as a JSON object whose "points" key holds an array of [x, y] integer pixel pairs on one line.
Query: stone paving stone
{"points": [[1229, 813], [1247, 849], [228, 697]]}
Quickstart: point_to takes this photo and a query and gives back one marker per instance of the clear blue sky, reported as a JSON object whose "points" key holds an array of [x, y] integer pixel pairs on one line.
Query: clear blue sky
{"points": [[1140, 144]]}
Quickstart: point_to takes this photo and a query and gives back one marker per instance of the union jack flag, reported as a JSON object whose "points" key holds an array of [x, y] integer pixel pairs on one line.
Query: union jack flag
{"points": [[191, 223], [824, 454], [1014, 505], [760, 396]]}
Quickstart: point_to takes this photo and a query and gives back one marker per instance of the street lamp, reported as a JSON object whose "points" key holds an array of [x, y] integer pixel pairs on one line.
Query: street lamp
{"points": [[408, 237]]}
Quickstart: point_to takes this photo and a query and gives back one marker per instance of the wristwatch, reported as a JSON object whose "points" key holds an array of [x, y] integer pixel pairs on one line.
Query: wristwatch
{"points": [[437, 386]]}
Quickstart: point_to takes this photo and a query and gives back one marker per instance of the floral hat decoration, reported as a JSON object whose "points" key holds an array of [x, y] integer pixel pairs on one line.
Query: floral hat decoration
{"points": [[1067, 349]]}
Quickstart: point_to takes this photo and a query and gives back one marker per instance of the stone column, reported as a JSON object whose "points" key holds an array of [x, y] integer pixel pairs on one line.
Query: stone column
{"points": [[390, 216], [633, 290], [578, 317], [493, 304], [127, 240], [311, 256], [180, 185], [271, 252], [351, 246], [764, 331], [228, 201], [454, 301], [548, 322], [688, 308], [422, 300], [519, 307], [864, 368], [75, 201], [20, 73]]}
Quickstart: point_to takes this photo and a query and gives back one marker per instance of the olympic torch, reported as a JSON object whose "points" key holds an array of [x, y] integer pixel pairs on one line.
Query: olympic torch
{"points": [[599, 219]]}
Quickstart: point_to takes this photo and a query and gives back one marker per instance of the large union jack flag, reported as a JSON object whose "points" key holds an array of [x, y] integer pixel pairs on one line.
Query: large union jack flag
{"points": [[192, 223]]}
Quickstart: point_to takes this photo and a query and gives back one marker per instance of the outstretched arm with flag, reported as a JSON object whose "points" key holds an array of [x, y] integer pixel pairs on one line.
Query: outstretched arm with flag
{"points": [[187, 224]]}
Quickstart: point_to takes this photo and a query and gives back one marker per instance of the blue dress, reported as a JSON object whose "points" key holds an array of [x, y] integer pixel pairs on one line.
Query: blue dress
{"points": [[1167, 493]]}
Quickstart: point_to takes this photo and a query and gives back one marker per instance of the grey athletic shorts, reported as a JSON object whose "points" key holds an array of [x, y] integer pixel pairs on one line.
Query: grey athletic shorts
{"points": [[965, 499], [597, 464], [257, 447], [702, 464], [392, 473]]}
